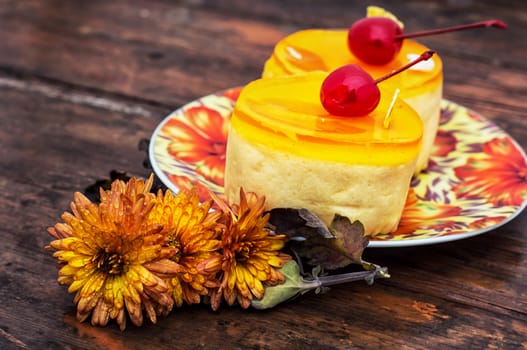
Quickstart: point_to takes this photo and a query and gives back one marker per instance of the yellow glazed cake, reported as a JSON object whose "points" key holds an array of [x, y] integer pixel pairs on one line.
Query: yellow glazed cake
{"points": [[283, 144], [326, 50]]}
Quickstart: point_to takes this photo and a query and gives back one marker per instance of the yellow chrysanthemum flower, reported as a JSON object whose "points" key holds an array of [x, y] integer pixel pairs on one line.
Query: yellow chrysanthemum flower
{"points": [[111, 255], [251, 253], [192, 230]]}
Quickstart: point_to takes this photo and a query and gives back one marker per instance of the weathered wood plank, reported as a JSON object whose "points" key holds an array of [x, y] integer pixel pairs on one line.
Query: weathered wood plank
{"points": [[355, 314], [162, 52], [82, 82], [173, 52]]}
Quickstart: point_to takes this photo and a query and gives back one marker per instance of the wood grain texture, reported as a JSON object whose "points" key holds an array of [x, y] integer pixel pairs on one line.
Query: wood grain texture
{"points": [[81, 83]]}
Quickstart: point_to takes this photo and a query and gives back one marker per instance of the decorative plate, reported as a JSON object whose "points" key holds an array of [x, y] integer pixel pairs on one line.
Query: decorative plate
{"points": [[476, 180]]}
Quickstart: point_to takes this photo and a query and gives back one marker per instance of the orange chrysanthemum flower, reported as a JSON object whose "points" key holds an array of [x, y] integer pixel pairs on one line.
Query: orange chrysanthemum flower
{"points": [[251, 253], [193, 232], [110, 254]]}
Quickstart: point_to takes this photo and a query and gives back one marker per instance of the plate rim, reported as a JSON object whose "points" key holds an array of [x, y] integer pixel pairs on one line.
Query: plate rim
{"points": [[151, 155]]}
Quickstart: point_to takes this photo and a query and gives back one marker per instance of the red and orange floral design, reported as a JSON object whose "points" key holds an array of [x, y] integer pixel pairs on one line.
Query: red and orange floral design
{"points": [[199, 138], [417, 211], [444, 143], [187, 183], [505, 175]]}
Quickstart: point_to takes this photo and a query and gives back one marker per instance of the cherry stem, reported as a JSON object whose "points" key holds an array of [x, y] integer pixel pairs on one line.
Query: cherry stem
{"points": [[423, 57], [489, 23]]}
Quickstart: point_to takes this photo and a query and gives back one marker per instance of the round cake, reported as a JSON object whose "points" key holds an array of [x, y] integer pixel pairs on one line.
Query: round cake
{"points": [[283, 144], [325, 50]]}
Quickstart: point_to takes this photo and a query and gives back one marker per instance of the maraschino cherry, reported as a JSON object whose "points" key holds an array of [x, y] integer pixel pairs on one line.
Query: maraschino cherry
{"points": [[351, 92], [377, 40]]}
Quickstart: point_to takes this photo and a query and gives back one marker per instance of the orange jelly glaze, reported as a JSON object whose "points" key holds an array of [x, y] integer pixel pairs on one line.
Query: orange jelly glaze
{"points": [[285, 114], [326, 50]]}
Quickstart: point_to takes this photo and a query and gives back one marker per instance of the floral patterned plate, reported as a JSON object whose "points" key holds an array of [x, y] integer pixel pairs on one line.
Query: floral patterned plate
{"points": [[475, 182]]}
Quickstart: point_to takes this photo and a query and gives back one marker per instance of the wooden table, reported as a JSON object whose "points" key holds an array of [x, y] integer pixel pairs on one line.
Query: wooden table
{"points": [[82, 82]]}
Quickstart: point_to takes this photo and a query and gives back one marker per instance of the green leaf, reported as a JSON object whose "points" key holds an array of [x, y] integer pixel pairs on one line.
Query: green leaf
{"points": [[293, 285]]}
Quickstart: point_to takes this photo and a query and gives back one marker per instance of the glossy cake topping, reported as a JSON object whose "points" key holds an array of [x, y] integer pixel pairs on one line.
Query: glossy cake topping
{"points": [[285, 114], [325, 50]]}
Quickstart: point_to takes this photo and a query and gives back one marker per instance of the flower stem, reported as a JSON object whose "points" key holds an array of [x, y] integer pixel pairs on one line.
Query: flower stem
{"points": [[368, 276]]}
